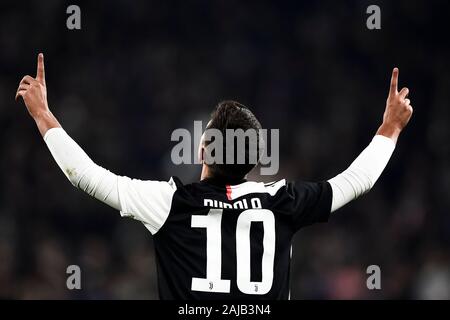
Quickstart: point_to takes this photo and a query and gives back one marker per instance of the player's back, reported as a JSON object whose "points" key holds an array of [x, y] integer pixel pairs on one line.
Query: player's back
{"points": [[233, 241]]}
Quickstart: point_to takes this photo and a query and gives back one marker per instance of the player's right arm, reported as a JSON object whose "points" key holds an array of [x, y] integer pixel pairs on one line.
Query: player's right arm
{"points": [[362, 174], [147, 201]]}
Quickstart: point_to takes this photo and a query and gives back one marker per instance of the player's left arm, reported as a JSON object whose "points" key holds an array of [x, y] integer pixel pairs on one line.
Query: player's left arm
{"points": [[74, 162], [362, 174], [147, 201]]}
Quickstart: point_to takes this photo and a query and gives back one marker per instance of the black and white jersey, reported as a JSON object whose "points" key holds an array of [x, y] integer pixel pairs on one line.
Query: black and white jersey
{"points": [[217, 241]]}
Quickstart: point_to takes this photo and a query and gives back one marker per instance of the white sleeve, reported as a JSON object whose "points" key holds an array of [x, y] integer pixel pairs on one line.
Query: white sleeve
{"points": [[362, 173], [147, 201]]}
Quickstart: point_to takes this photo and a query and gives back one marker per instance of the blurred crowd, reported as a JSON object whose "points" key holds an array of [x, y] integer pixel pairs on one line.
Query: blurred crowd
{"points": [[137, 70]]}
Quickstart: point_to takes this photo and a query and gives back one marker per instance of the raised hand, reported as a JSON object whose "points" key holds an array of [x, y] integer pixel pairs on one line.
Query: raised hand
{"points": [[398, 109], [34, 91]]}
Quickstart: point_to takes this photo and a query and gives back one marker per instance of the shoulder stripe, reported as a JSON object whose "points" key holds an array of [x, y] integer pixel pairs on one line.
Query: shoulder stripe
{"points": [[236, 191]]}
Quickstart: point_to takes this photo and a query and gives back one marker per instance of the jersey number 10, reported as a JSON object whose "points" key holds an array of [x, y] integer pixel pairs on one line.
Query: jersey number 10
{"points": [[213, 281]]}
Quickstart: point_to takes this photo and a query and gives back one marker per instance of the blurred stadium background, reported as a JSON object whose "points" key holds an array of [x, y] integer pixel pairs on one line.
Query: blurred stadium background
{"points": [[139, 69]]}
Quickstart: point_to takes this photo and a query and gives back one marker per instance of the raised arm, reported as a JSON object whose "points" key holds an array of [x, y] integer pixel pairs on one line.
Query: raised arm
{"points": [[368, 166], [73, 161], [147, 201]]}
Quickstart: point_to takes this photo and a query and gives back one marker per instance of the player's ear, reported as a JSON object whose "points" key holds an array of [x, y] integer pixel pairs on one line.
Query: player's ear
{"points": [[201, 149], [201, 154]]}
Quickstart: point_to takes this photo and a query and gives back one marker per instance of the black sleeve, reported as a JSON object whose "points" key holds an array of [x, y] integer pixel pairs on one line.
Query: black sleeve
{"points": [[311, 202]]}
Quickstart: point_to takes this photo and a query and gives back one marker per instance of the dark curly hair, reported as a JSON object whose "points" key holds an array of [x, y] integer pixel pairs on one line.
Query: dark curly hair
{"points": [[234, 115]]}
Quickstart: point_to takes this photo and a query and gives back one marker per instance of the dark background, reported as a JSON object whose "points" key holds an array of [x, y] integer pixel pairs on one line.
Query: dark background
{"points": [[137, 70]]}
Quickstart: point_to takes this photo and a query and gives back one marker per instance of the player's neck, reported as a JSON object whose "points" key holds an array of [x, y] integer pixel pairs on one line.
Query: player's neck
{"points": [[205, 172], [206, 175]]}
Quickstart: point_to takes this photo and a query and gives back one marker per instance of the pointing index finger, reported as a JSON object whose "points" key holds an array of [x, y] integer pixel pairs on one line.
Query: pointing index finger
{"points": [[40, 74], [394, 81]]}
